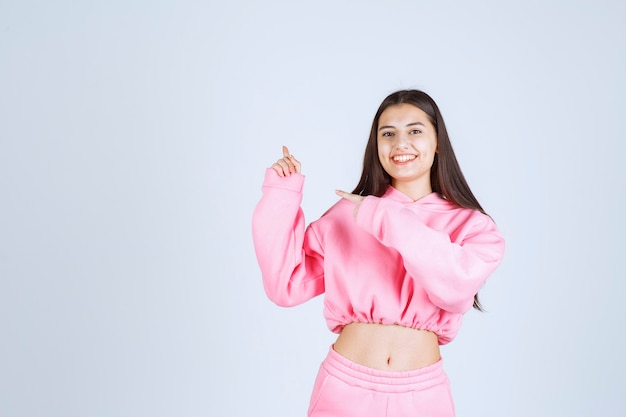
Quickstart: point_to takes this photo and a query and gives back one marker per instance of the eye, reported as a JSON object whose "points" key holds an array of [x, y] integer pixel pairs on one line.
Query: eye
{"points": [[387, 134], [415, 132]]}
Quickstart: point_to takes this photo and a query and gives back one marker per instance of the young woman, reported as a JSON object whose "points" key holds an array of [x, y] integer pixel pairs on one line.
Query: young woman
{"points": [[400, 260]]}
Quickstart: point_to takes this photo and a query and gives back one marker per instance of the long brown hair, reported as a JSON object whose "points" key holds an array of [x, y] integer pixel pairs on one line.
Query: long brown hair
{"points": [[446, 177]]}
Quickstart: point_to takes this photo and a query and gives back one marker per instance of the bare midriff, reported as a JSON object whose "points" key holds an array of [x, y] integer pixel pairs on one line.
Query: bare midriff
{"points": [[388, 347]]}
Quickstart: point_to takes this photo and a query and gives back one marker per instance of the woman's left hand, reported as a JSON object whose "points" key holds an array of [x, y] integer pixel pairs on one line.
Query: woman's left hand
{"points": [[355, 198]]}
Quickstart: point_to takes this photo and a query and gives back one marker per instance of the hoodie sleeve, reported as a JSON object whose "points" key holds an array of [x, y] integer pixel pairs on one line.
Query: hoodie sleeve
{"points": [[451, 272], [290, 256]]}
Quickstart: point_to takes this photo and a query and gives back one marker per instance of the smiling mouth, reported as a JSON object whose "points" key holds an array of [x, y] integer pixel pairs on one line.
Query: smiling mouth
{"points": [[403, 158]]}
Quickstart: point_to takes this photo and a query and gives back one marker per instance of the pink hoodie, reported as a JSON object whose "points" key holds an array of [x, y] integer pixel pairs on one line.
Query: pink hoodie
{"points": [[416, 264]]}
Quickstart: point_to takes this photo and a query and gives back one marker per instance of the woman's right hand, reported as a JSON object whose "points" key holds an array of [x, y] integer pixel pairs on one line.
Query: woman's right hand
{"points": [[286, 165]]}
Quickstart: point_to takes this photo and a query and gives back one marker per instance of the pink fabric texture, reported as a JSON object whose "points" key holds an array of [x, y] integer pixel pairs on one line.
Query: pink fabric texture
{"points": [[413, 263], [344, 388]]}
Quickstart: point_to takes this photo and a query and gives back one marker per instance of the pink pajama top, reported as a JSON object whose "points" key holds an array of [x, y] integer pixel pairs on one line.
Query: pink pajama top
{"points": [[413, 263]]}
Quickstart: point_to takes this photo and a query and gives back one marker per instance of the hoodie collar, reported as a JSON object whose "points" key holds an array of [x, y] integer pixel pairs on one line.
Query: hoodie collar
{"points": [[432, 198]]}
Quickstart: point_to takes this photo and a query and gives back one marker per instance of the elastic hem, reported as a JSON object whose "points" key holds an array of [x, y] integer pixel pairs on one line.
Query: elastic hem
{"points": [[379, 380]]}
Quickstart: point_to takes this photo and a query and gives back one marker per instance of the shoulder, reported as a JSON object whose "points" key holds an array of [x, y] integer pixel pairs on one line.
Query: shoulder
{"points": [[436, 210]]}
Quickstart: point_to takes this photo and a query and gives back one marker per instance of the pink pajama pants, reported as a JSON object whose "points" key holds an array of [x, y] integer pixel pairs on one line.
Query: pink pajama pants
{"points": [[345, 389]]}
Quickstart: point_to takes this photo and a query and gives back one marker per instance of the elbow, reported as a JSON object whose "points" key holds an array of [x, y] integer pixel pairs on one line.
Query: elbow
{"points": [[455, 298], [281, 300], [453, 304], [286, 291], [281, 297]]}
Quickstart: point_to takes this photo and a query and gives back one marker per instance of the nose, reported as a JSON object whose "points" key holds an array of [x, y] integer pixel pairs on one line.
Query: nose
{"points": [[403, 141]]}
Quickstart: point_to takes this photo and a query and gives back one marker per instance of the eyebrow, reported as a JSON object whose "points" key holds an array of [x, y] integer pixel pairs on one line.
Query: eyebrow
{"points": [[410, 124]]}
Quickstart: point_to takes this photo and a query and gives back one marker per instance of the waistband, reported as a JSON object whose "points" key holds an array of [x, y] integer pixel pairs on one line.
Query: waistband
{"points": [[380, 380]]}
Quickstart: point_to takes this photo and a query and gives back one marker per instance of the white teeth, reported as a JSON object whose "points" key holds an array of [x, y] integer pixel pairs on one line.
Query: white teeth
{"points": [[403, 158]]}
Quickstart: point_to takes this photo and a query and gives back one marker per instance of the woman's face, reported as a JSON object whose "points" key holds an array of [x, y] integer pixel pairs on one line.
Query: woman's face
{"points": [[407, 143]]}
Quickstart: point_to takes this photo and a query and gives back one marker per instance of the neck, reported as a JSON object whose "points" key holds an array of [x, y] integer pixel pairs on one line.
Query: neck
{"points": [[414, 192]]}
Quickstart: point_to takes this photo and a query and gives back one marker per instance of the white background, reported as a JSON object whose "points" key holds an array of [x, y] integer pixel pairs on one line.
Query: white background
{"points": [[133, 140]]}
